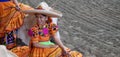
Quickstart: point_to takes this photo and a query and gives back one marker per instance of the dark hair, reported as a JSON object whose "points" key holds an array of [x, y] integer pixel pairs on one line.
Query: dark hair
{"points": [[49, 20], [41, 14]]}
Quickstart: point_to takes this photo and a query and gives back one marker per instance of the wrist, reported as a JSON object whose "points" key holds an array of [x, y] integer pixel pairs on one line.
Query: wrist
{"points": [[63, 48], [17, 5]]}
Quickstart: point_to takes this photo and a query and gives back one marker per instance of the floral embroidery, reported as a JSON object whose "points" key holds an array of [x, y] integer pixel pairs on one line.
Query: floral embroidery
{"points": [[43, 30]]}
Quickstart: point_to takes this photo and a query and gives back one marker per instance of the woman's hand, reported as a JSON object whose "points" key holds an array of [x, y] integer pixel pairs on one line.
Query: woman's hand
{"points": [[17, 5], [17, 8], [65, 52]]}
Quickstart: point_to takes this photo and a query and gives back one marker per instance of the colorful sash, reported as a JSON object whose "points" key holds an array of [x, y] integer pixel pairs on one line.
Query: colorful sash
{"points": [[46, 43]]}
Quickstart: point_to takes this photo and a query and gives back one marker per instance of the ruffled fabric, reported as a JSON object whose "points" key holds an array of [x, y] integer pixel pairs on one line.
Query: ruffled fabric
{"points": [[38, 34], [10, 18], [22, 51]]}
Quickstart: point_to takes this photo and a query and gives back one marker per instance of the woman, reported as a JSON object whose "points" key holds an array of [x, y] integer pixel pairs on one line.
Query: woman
{"points": [[6, 9], [4, 4], [10, 20], [40, 44], [41, 33]]}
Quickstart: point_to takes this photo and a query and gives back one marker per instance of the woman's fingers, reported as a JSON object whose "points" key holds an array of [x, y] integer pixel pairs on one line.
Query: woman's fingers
{"points": [[65, 53], [17, 8]]}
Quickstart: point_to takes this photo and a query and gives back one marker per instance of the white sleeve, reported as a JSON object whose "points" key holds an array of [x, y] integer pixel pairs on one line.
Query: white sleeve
{"points": [[55, 20]]}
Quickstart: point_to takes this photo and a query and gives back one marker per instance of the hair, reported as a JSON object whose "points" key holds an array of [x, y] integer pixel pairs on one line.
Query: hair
{"points": [[49, 20]]}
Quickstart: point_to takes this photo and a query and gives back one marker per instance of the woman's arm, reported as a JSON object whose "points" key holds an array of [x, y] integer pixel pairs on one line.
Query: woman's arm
{"points": [[16, 3], [42, 11], [58, 41]]}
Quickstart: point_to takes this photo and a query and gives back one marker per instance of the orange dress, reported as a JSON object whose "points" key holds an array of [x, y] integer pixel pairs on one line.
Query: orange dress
{"points": [[41, 34], [10, 18], [21, 51]]}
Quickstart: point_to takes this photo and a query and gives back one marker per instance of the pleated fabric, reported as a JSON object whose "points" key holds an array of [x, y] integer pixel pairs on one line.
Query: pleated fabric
{"points": [[10, 18]]}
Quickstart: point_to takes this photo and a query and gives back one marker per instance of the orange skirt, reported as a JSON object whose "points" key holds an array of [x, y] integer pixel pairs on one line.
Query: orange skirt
{"points": [[45, 52], [22, 51], [10, 18], [51, 52]]}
